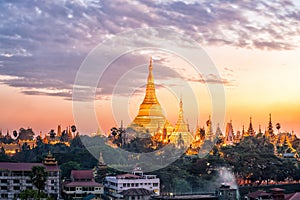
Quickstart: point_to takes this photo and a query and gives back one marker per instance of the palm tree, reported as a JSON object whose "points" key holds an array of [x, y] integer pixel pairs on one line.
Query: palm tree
{"points": [[52, 134], [74, 129], [15, 133], [278, 127], [38, 177]]}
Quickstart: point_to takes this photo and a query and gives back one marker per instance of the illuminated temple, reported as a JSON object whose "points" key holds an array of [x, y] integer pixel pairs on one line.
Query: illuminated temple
{"points": [[150, 117]]}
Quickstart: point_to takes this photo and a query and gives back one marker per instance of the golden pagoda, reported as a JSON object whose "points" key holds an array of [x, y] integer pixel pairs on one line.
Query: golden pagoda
{"points": [[150, 114], [181, 129]]}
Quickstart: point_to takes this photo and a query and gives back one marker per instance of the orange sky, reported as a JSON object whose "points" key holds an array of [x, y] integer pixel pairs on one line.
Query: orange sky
{"points": [[263, 82]]}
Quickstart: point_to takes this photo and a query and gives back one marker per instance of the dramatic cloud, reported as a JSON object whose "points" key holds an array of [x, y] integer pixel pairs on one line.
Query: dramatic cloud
{"points": [[44, 43]]}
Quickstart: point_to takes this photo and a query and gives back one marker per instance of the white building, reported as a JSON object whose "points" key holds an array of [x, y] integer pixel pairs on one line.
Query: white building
{"points": [[15, 177], [131, 186]]}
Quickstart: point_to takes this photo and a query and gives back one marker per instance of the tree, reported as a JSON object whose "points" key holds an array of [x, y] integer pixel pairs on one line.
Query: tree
{"points": [[52, 134], [64, 136], [26, 134], [278, 127], [15, 133], [67, 167], [33, 194], [74, 129], [39, 177], [39, 140]]}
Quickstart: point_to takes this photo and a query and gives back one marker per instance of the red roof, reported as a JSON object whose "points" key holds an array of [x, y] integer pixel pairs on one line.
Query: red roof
{"points": [[82, 174], [294, 196], [258, 193], [25, 166], [83, 184]]}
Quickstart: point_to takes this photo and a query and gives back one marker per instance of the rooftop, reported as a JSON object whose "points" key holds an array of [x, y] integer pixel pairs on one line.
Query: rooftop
{"points": [[9, 166], [83, 184], [82, 174]]}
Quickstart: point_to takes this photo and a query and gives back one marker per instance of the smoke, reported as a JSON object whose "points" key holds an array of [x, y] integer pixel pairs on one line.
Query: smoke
{"points": [[225, 176]]}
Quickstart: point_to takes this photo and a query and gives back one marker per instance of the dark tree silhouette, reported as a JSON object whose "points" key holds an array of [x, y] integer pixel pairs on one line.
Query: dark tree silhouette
{"points": [[26, 134], [38, 177], [15, 133], [52, 134], [64, 136], [278, 127], [73, 128]]}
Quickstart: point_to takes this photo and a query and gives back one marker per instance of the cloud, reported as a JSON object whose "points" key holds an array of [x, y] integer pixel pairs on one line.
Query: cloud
{"points": [[211, 79], [45, 42]]}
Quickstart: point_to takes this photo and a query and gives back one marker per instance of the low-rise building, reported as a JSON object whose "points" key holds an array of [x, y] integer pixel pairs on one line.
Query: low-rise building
{"points": [[15, 177], [131, 186], [82, 184], [226, 193]]}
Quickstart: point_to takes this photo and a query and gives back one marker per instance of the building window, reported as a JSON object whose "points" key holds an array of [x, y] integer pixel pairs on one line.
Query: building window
{"points": [[136, 185], [155, 184], [124, 184], [16, 181], [4, 173], [4, 181], [4, 188], [16, 187], [78, 188]]}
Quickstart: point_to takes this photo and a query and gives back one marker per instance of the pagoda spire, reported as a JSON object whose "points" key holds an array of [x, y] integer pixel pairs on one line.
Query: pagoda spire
{"points": [[181, 126], [270, 127], [150, 111], [250, 129], [180, 109], [150, 97]]}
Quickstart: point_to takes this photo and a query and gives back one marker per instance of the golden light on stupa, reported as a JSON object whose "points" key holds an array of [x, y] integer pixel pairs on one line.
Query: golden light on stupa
{"points": [[150, 115]]}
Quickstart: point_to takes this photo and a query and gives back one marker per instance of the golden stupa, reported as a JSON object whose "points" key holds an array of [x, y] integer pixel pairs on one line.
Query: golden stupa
{"points": [[150, 116], [181, 131]]}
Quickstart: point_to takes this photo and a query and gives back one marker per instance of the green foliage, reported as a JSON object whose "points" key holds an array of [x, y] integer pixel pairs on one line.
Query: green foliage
{"points": [[33, 194], [39, 177], [67, 167], [3, 156]]}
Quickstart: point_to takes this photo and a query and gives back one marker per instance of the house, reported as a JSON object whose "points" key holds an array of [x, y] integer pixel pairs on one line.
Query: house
{"points": [[226, 193], [82, 184]]}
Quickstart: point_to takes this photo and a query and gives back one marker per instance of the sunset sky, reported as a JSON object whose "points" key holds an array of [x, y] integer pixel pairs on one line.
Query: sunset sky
{"points": [[254, 45]]}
